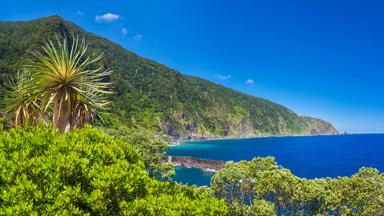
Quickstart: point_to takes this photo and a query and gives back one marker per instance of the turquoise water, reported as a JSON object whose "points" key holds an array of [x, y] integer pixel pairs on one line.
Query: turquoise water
{"points": [[309, 157]]}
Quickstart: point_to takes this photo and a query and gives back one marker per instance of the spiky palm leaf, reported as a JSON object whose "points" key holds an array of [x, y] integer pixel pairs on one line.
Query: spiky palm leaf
{"points": [[84, 112], [19, 102], [63, 74]]}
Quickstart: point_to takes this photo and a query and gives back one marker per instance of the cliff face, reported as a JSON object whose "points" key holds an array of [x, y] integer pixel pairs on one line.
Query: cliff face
{"points": [[317, 126], [308, 126], [151, 96]]}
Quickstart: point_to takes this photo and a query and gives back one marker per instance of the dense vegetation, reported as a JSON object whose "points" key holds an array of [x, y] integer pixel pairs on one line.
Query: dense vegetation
{"points": [[153, 97], [89, 172], [43, 172], [263, 185]]}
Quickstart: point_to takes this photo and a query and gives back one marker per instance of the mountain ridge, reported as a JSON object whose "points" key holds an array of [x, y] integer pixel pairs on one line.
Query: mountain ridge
{"points": [[151, 96]]}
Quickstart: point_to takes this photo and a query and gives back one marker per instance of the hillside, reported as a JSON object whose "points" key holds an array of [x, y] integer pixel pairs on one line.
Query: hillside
{"points": [[156, 98]]}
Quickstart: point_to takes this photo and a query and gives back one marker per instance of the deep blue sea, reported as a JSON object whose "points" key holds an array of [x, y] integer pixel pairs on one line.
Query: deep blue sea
{"points": [[306, 156]]}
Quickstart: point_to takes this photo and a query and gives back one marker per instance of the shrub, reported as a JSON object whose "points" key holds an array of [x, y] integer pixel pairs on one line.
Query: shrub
{"points": [[86, 172]]}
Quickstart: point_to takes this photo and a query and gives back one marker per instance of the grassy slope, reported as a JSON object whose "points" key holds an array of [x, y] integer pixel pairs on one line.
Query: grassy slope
{"points": [[151, 96]]}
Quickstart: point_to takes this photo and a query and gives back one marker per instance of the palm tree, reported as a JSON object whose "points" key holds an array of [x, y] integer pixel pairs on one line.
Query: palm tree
{"points": [[65, 78], [19, 103]]}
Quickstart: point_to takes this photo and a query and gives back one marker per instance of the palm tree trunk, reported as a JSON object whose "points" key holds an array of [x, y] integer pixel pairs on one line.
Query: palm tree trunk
{"points": [[61, 114], [81, 119], [19, 119]]}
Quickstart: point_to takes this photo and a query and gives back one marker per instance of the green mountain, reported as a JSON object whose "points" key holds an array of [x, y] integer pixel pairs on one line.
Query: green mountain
{"points": [[151, 96]]}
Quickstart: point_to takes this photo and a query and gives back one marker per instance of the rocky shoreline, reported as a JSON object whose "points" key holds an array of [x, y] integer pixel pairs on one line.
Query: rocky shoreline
{"points": [[176, 142], [188, 161]]}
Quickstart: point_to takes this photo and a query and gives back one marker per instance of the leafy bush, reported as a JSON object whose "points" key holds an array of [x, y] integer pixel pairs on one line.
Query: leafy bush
{"points": [[171, 199], [152, 152], [86, 172], [256, 187]]}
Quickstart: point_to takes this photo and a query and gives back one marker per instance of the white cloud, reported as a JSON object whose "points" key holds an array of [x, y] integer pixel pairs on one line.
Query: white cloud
{"points": [[108, 17], [223, 77], [80, 13], [124, 31], [250, 81], [138, 37]]}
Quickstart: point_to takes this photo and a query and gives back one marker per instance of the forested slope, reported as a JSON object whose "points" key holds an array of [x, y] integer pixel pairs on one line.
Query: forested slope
{"points": [[151, 96]]}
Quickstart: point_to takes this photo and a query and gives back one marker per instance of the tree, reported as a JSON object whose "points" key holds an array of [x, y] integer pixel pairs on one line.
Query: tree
{"points": [[19, 103], [272, 189], [153, 152], [66, 77]]}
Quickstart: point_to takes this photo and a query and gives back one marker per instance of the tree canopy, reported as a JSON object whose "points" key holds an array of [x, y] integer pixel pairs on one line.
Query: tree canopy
{"points": [[263, 184]]}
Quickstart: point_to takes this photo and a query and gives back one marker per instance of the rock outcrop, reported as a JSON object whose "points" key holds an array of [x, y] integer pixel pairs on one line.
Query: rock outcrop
{"points": [[188, 161]]}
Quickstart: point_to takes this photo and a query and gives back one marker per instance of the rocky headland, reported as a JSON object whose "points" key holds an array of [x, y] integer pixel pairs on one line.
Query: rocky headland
{"points": [[188, 161]]}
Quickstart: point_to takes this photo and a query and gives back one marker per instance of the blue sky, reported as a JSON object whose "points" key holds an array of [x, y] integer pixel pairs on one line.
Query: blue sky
{"points": [[323, 58]]}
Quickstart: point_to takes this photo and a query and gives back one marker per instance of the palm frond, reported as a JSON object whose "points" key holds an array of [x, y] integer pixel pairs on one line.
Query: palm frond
{"points": [[66, 77], [19, 101]]}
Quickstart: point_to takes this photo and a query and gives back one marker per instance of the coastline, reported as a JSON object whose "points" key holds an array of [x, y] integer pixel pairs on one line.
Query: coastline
{"points": [[181, 141], [305, 157], [193, 164]]}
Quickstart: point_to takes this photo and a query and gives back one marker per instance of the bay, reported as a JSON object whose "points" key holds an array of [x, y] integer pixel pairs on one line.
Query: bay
{"points": [[306, 156]]}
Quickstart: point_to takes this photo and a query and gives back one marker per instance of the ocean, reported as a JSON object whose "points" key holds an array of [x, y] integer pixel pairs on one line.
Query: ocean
{"points": [[306, 156]]}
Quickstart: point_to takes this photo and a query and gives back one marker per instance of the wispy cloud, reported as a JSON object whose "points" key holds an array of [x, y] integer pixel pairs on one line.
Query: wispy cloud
{"points": [[108, 17], [80, 13], [138, 37], [124, 31], [223, 77], [250, 81]]}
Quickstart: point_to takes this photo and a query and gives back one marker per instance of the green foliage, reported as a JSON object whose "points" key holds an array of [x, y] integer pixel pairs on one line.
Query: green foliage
{"points": [[152, 153], [265, 185], [258, 208], [169, 199], [156, 98], [61, 78], [86, 172], [20, 105]]}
